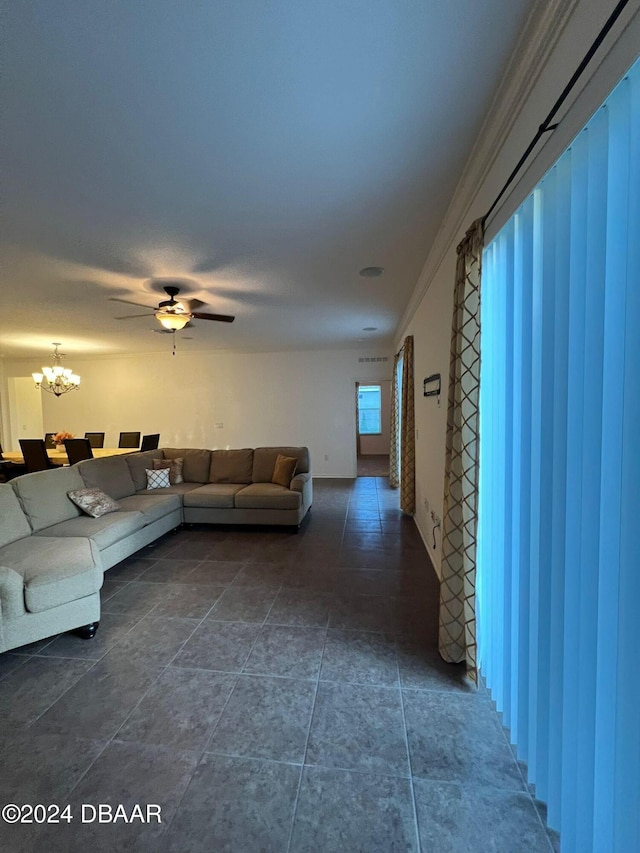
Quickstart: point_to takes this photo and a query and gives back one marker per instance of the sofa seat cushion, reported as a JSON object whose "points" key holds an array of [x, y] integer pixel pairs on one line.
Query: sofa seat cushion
{"points": [[177, 489], [104, 531], [54, 572], [218, 495], [151, 507], [267, 496]]}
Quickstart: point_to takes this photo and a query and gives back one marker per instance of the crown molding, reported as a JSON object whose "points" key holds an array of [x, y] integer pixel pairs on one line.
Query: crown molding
{"points": [[535, 44]]}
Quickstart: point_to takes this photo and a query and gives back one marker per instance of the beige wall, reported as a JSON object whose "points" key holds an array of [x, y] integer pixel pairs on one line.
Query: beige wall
{"points": [[217, 399], [428, 317]]}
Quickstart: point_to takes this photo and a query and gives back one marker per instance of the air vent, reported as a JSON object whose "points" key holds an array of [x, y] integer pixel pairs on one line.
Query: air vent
{"points": [[369, 360]]}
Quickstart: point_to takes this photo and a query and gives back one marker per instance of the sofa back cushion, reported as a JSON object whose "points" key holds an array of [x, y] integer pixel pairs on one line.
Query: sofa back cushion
{"points": [[109, 474], [231, 466], [14, 524], [138, 464], [264, 461], [195, 468], [43, 495]]}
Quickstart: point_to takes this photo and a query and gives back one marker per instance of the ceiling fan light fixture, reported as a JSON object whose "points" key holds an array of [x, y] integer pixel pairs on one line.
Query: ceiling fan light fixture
{"points": [[173, 321]]}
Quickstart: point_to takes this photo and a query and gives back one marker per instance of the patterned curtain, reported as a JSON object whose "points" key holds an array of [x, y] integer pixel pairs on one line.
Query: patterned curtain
{"points": [[358, 419], [394, 467], [457, 636], [407, 432]]}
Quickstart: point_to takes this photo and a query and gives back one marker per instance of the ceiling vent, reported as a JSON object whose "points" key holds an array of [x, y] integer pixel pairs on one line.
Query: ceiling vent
{"points": [[377, 358]]}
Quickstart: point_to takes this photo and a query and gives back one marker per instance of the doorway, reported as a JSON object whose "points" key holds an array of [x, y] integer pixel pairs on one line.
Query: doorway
{"points": [[25, 411], [373, 428]]}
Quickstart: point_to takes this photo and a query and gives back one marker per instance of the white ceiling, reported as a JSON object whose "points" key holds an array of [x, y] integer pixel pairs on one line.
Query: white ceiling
{"points": [[261, 152]]}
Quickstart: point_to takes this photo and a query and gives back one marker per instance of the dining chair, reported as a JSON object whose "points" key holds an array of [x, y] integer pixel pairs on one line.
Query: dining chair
{"points": [[49, 443], [150, 442], [9, 470], [78, 449], [96, 439], [35, 456], [129, 439]]}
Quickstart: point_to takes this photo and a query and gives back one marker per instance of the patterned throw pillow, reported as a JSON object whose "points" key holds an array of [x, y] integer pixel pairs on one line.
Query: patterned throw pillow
{"points": [[93, 502], [158, 479], [174, 466]]}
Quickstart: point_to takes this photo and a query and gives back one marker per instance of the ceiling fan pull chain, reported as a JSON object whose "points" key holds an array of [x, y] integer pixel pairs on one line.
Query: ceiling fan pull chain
{"points": [[174, 343]]}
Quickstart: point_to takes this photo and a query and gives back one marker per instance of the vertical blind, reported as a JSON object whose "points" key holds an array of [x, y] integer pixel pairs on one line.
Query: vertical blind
{"points": [[559, 504]]}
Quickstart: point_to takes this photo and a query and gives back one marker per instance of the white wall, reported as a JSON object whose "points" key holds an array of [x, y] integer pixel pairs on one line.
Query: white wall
{"points": [[295, 398], [428, 317]]}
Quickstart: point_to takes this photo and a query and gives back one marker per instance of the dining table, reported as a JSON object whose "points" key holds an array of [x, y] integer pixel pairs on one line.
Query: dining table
{"points": [[59, 455]]}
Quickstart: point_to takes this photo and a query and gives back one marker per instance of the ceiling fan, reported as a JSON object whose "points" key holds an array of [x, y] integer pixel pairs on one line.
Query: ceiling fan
{"points": [[173, 314]]}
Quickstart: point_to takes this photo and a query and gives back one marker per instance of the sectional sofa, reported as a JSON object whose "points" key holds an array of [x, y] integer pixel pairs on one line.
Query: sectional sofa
{"points": [[53, 556]]}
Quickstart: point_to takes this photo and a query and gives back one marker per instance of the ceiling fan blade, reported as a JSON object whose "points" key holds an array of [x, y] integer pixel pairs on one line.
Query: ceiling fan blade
{"points": [[129, 302], [192, 304], [222, 318], [133, 316]]}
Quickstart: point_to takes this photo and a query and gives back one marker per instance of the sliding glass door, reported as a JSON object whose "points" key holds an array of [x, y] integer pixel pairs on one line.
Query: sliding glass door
{"points": [[558, 554]]}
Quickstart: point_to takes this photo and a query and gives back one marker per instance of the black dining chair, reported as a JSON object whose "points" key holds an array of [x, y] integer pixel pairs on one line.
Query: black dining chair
{"points": [[35, 456], [49, 443], [9, 470], [78, 449], [96, 439], [150, 442], [129, 439]]}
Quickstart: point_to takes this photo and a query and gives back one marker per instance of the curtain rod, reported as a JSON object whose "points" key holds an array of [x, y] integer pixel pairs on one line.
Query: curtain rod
{"points": [[546, 126]]}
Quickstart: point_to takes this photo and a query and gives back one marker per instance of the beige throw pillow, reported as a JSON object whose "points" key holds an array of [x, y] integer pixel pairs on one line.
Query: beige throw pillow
{"points": [[93, 502], [284, 470], [174, 466]]}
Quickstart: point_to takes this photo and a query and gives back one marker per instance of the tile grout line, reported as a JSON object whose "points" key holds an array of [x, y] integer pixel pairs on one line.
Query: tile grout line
{"points": [[306, 746], [137, 705], [212, 731], [409, 757], [133, 710]]}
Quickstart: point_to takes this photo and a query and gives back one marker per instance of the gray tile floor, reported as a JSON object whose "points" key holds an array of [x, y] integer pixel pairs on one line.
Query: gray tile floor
{"points": [[271, 692]]}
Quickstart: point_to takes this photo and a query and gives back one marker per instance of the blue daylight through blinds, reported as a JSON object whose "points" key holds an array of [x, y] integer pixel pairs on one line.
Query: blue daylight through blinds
{"points": [[558, 559]]}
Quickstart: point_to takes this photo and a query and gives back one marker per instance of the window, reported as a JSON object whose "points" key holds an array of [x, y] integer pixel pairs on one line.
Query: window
{"points": [[369, 405]]}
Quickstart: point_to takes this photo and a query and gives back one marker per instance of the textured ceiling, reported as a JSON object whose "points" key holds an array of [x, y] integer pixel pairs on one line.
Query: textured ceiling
{"points": [[259, 152]]}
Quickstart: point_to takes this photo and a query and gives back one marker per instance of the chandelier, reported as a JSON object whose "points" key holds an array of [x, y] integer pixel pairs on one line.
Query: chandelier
{"points": [[57, 379]]}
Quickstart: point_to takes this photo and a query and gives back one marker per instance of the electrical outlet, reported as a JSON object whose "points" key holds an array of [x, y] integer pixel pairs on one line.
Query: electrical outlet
{"points": [[326, 457], [426, 504]]}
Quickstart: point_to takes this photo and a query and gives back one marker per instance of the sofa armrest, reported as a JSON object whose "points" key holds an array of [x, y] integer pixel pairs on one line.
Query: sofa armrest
{"points": [[298, 482], [11, 593], [302, 483]]}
